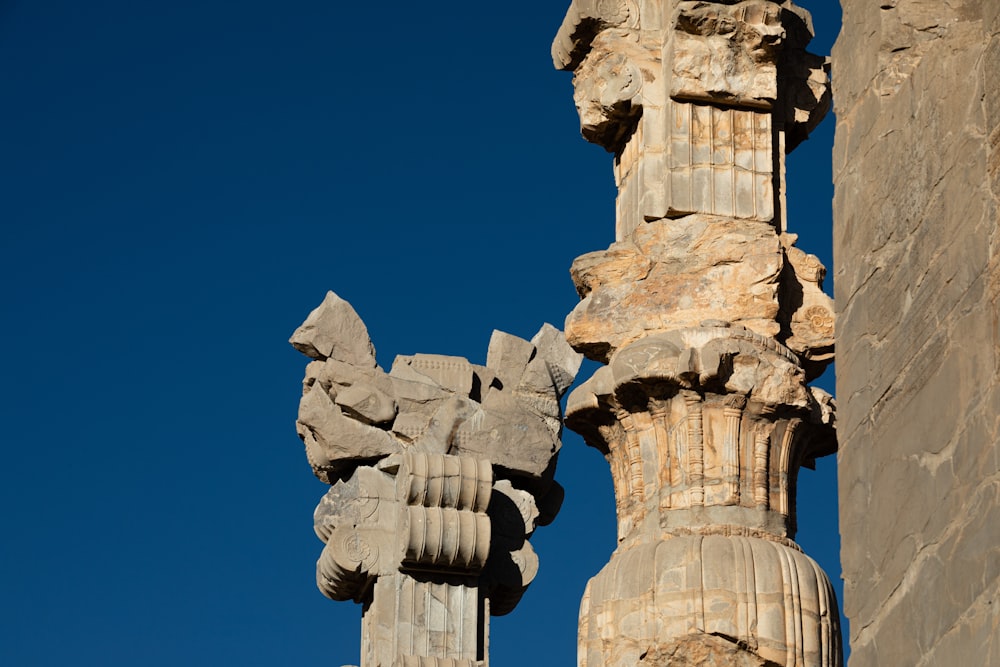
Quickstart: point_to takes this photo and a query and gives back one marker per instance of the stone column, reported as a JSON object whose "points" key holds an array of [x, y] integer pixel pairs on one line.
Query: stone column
{"points": [[711, 324], [440, 471]]}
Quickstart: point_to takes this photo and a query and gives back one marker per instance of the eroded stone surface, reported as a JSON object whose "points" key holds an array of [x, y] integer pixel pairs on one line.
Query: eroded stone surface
{"points": [[688, 96], [507, 411], [703, 651], [440, 471], [671, 274], [334, 331], [917, 186], [727, 52], [711, 323]]}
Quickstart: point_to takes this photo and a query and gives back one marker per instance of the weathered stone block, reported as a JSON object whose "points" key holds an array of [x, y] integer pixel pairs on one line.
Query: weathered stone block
{"points": [[334, 330], [915, 234], [337, 437], [700, 268], [410, 519]]}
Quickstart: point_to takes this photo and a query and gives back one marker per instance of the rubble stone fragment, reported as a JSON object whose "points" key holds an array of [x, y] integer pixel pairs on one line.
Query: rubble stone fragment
{"points": [[334, 330]]}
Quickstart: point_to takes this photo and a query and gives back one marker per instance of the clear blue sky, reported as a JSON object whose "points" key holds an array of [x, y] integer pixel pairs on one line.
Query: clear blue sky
{"points": [[181, 184]]}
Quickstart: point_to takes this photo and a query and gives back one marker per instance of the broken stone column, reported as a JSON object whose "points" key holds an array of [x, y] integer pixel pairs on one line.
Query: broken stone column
{"points": [[711, 323], [440, 470]]}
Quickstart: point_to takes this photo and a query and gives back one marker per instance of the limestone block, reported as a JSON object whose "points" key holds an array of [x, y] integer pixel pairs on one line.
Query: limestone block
{"points": [[618, 265], [608, 87], [335, 375], [454, 374], [538, 382], [563, 363], [334, 330], [438, 433], [701, 268], [367, 404], [365, 498], [414, 510], [445, 538], [752, 54], [807, 312], [508, 356], [424, 661], [451, 482], [418, 401], [513, 439], [729, 53], [343, 571], [704, 430], [702, 650], [720, 162], [915, 240], [333, 438], [424, 623], [692, 103], [355, 520], [729, 359], [408, 523], [516, 427], [583, 21]]}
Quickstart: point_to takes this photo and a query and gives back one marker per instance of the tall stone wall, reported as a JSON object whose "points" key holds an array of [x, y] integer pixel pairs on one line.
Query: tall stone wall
{"points": [[917, 175]]}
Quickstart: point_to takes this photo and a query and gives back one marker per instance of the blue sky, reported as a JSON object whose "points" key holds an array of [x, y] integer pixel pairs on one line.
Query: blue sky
{"points": [[182, 182]]}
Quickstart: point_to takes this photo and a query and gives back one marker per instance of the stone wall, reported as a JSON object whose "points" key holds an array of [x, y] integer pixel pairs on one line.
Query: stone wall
{"points": [[917, 175]]}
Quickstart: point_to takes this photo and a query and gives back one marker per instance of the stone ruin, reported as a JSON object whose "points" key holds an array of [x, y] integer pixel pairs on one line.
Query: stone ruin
{"points": [[710, 323], [439, 471]]}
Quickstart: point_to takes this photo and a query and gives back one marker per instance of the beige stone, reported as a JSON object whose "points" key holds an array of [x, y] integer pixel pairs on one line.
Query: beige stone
{"points": [[727, 52], [698, 599], [687, 97], [678, 273], [453, 374], [334, 331], [703, 651], [711, 323], [674, 274], [807, 312], [334, 439], [440, 471]]}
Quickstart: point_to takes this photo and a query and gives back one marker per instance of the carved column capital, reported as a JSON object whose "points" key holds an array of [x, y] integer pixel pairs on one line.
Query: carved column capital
{"points": [[440, 471]]}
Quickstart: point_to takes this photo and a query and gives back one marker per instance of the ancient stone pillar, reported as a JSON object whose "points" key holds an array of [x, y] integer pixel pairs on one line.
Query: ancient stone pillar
{"points": [[440, 471], [711, 324]]}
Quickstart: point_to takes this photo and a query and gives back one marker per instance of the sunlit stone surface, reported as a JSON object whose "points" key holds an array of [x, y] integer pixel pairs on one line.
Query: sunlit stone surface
{"points": [[439, 472], [711, 323]]}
